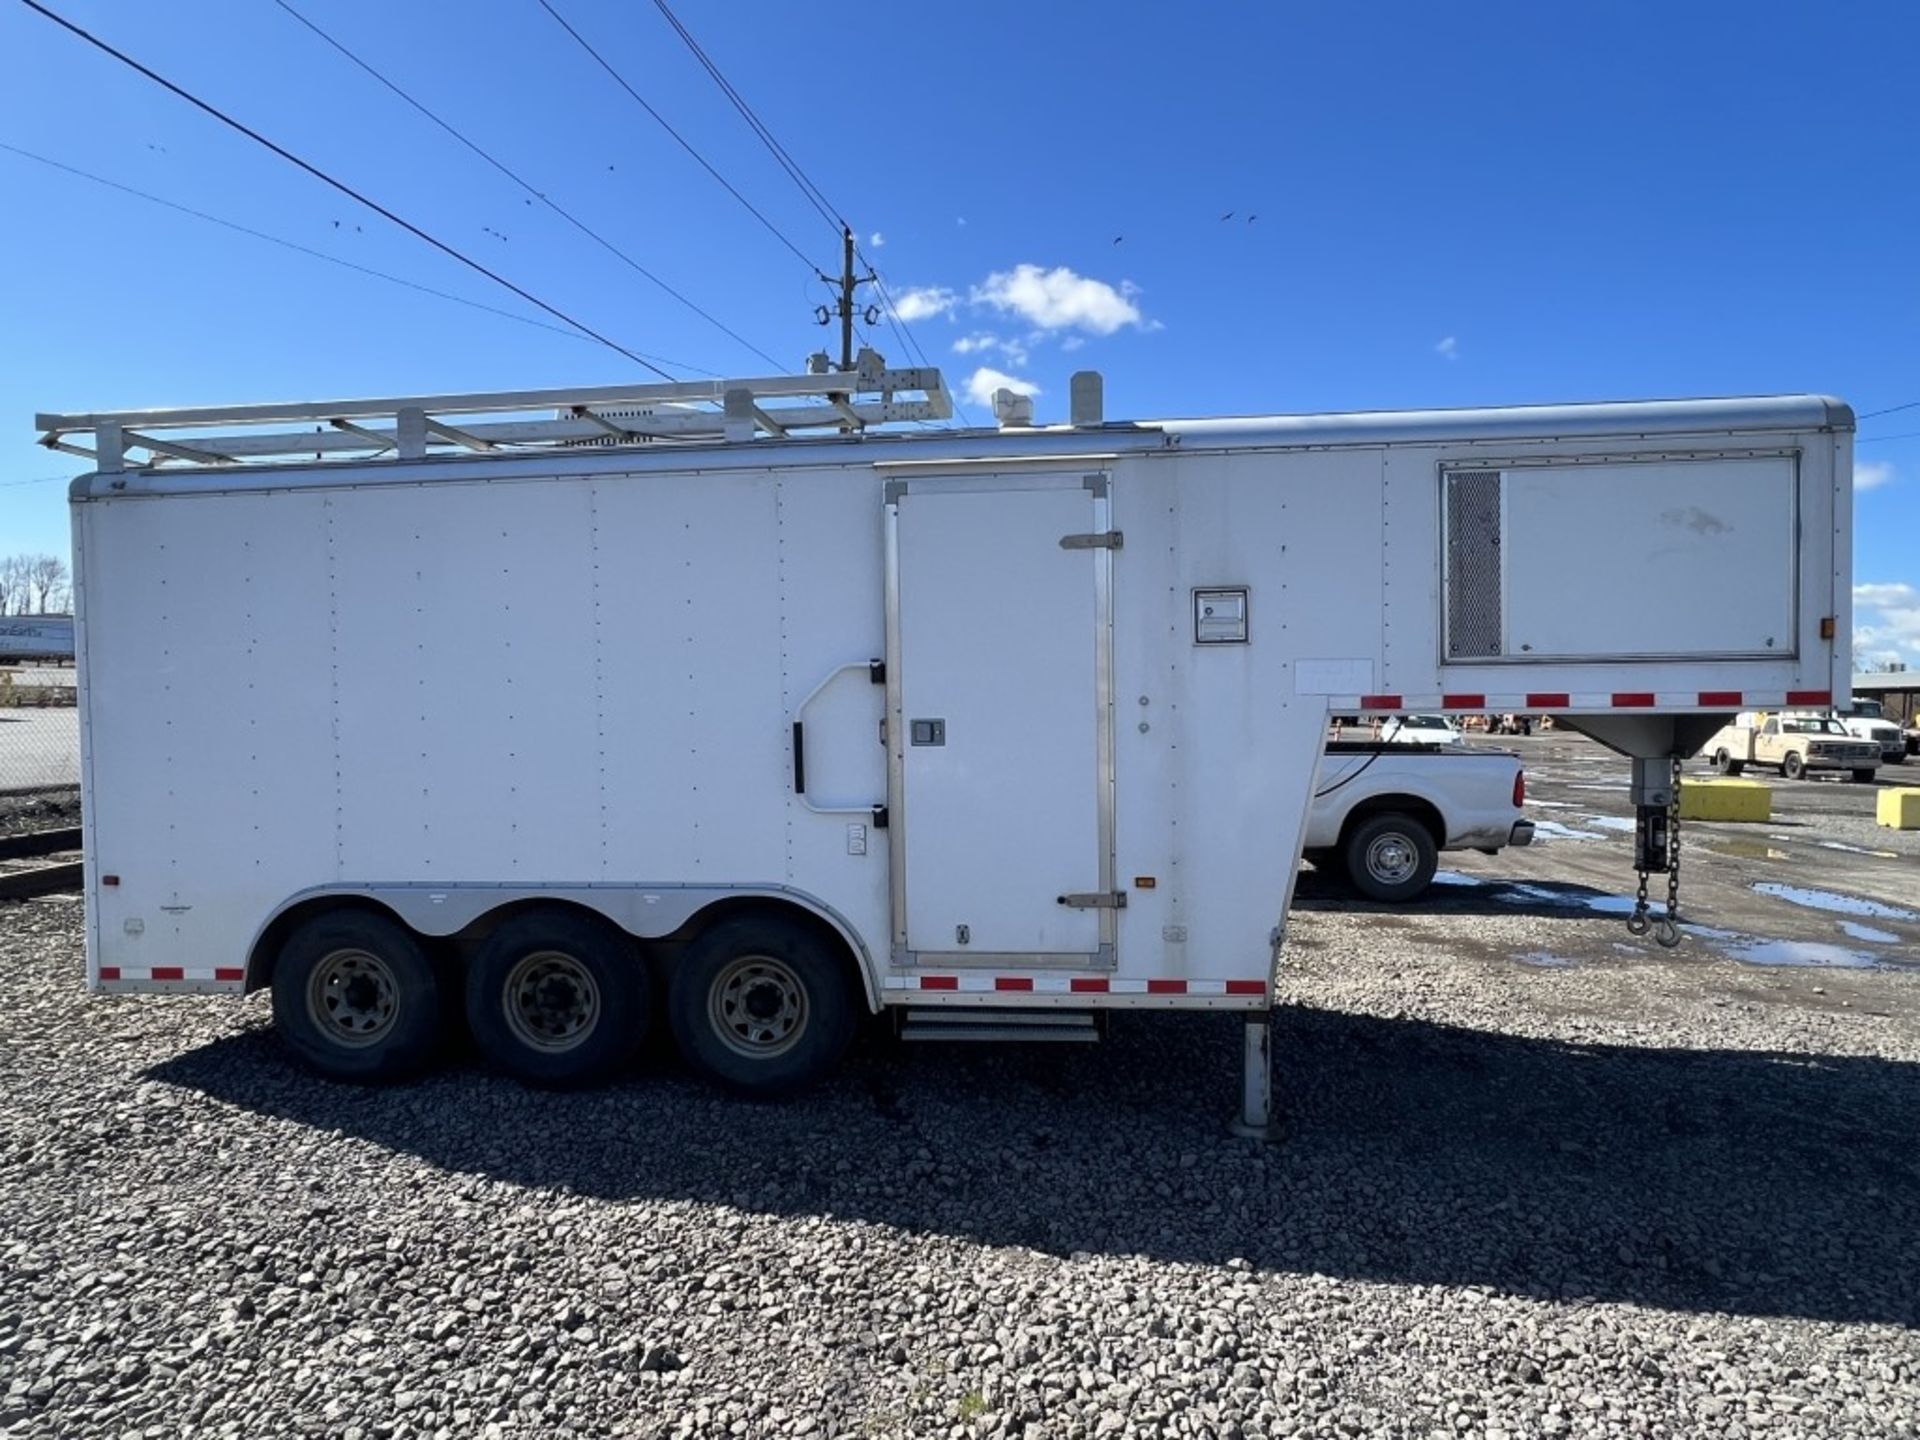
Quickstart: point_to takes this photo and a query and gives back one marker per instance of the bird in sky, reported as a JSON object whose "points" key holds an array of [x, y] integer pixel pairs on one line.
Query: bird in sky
{"points": [[1227, 216], [1118, 238]]}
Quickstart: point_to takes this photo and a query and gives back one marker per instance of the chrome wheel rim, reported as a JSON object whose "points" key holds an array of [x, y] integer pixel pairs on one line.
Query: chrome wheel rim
{"points": [[758, 1007], [551, 1000], [353, 998], [1392, 859]]}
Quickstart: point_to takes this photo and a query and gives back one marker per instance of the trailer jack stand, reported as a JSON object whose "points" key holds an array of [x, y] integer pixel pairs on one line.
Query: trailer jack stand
{"points": [[1255, 1120]]}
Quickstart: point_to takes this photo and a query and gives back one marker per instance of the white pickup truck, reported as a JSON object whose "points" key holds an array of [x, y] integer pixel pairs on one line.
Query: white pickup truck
{"points": [[1383, 812]]}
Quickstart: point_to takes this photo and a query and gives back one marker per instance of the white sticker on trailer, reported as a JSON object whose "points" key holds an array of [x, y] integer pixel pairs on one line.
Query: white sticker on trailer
{"points": [[1332, 677]]}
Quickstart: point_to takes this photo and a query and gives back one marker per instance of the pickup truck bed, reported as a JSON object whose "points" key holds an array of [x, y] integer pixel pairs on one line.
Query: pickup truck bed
{"points": [[1384, 813]]}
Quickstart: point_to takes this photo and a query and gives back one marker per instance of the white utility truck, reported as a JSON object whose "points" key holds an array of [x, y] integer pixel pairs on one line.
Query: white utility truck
{"points": [[764, 697], [1383, 812], [1797, 743], [1866, 719]]}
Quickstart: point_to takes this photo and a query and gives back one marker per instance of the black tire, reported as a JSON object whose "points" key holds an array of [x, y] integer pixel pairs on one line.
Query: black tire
{"points": [[762, 1005], [1897, 758], [557, 999], [1794, 767], [1391, 857], [1863, 777], [1722, 761], [355, 997], [1736, 767]]}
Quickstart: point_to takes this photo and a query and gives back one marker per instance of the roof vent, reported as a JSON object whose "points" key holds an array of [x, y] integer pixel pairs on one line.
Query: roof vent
{"points": [[1089, 398], [1013, 410]]}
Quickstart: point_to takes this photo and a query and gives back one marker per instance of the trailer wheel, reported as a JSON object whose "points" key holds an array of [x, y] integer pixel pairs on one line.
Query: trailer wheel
{"points": [[1794, 767], [1391, 857], [556, 999], [355, 997], [762, 1006], [1863, 777]]}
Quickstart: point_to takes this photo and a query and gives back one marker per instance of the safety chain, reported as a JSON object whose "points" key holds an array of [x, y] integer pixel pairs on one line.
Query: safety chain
{"points": [[1666, 930], [1667, 933]]}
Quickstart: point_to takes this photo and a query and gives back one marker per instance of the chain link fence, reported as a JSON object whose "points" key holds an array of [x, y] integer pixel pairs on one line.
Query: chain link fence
{"points": [[39, 747]]}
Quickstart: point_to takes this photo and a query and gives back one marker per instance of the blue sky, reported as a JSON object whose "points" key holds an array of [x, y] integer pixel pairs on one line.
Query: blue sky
{"points": [[1456, 205]]}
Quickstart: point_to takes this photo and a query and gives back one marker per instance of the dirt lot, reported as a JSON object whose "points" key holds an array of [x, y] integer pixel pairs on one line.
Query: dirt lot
{"points": [[1538, 1178]]}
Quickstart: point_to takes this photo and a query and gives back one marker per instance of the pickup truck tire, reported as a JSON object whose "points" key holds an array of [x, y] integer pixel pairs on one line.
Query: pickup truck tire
{"points": [[1726, 764], [1391, 857], [1863, 777], [1794, 767]]}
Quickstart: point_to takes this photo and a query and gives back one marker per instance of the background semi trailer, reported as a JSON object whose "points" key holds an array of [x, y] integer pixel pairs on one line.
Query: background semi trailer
{"points": [[538, 699]]}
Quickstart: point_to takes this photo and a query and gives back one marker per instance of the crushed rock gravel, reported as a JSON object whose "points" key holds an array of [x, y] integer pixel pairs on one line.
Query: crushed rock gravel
{"points": [[1625, 1200]]}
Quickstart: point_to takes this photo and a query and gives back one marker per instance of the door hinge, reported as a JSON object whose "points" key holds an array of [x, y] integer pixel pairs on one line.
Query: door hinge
{"points": [[1095, 900], [1099, 540]]}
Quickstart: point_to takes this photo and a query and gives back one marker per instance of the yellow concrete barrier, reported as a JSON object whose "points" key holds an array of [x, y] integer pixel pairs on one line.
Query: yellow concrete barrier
{"points": [[1726, 799], [1899, 808]]}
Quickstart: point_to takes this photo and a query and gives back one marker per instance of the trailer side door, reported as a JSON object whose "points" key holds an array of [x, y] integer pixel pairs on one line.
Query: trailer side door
{"points": [[1000, 720]]}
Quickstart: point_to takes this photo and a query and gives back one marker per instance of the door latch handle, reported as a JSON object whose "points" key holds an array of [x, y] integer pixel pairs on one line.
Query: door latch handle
{"points": [[1095, 900]]}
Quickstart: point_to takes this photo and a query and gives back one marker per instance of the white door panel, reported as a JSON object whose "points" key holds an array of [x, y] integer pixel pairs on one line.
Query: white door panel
{"points": [[1000, 701]]}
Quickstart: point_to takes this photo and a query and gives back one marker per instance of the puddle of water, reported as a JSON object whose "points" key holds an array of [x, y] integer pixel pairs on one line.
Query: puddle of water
{"points": [[1554, 830], [1748, 849], [1835, 904], [1858, 849], [1804, 953], [1546, 960], [1858, 931], [1610, 822], [1514, 893]]}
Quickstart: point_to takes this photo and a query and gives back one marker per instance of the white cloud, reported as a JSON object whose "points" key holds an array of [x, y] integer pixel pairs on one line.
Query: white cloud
{"points": [[1885, 597], [984, 381], [1886, 624], [1060, 299], [877, 240], [1073, 342], [1449, 348], [1871, 474], [924, 303], [985, 342]]}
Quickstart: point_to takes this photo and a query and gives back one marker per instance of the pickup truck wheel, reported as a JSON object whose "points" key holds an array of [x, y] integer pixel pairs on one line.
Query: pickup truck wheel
{"points": [[355, 997], [1391, 857], [1724, 762], [760, 1005], [557, 999], [1863, 777], [1794, 767]]}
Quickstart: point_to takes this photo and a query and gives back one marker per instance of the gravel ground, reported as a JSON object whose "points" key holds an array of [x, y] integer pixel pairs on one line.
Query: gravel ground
{"points": [[1660, 1195], [42, 810]]}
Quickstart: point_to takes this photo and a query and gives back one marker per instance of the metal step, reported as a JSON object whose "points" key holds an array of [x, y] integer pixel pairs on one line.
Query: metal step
{"points": [[1070, 1027]]}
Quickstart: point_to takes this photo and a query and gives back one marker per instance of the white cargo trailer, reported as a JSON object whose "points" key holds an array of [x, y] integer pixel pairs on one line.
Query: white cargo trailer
{"points": [[658, 692]]}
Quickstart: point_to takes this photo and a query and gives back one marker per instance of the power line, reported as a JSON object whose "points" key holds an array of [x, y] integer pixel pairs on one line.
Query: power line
{"points": [[1876, 439], [686, 145], [551, 204], [339, 185], [318, 254], [814, 194], [828, 211], [1890, 410]]}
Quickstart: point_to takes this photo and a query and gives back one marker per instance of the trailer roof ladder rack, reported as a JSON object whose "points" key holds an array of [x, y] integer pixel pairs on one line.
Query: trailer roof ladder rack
{"points": [[517, 421]]}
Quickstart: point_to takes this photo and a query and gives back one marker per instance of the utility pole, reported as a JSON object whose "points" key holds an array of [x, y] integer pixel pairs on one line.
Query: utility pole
{"points": [[846, 282]]}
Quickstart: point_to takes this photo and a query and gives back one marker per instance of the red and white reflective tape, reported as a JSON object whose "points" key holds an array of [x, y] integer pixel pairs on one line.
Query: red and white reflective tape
{"points": [[970, 984], [1535, 701], [162, 974]]}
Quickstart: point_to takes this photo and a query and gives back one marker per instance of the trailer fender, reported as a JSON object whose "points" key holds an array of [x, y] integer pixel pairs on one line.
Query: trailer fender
{"points": [[646, 912]]}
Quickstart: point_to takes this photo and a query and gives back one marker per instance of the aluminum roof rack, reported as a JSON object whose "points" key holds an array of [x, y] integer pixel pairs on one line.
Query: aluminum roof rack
{"points": [[410, 427]]}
